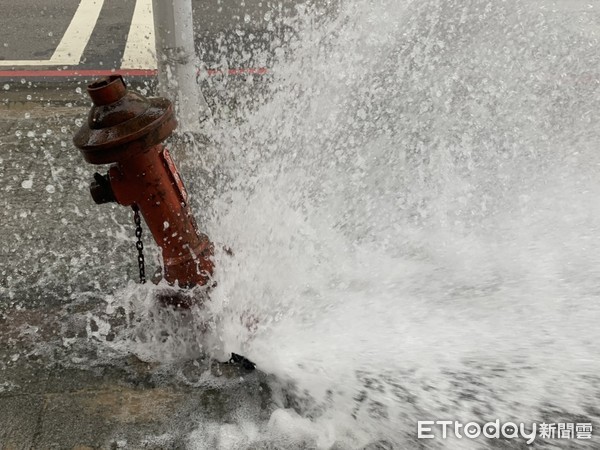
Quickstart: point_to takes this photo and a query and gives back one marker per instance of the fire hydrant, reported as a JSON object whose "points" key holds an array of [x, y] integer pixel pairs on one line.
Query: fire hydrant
{"points": [[127, 130]]}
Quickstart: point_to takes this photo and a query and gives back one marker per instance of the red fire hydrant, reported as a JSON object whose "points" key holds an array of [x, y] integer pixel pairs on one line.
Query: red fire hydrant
{"points": [[126, 130]]}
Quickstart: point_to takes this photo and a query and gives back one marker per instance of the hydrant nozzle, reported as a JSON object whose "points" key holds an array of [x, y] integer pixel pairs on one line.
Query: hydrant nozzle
{"points": [[126, 130]]}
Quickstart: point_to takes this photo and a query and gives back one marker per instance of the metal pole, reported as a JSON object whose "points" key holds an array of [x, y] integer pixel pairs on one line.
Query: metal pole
{"points": [[178, 62]]}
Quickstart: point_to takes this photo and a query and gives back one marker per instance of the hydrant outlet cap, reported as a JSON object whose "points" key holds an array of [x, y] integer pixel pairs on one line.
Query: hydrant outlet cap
{"points": [[107, 90], [122, 124]]}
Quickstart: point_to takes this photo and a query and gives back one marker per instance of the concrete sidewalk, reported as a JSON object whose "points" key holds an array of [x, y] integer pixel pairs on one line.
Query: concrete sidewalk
{"points": [[122, 406], [60, 254]]}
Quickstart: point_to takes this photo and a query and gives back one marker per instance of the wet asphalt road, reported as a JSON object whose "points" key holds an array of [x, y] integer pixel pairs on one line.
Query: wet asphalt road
{"points": [[227, 29], [29, 30]]}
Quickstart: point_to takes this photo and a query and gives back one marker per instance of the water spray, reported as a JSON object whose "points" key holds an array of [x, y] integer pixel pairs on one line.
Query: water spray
{"points": [[127, 130]]}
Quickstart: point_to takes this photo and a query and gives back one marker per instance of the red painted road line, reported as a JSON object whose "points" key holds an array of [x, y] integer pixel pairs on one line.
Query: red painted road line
{"points": [[75, 73]]}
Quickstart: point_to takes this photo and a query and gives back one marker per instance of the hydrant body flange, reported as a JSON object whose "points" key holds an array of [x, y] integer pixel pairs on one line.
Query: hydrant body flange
{"points": [[126, 130]]}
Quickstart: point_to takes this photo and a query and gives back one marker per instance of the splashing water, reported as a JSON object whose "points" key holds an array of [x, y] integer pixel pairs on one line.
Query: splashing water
{"points": [[413, 208]]}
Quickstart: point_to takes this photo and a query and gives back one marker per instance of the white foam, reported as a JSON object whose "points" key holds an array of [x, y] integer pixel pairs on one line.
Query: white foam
{"points": [[413, 215]]}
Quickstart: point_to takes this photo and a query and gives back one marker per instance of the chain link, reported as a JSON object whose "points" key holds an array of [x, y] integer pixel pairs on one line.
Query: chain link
{"points": [[139, 244]]}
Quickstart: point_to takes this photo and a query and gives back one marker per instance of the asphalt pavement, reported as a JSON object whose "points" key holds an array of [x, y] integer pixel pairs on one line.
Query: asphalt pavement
{"points": [[62, 36]]}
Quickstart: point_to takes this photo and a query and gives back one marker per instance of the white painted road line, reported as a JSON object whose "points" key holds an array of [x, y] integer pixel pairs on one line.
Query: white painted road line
{"points": [[73, 43], [140, 49]]}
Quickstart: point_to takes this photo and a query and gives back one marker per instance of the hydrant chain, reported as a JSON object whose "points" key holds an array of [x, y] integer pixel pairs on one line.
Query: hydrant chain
{"points": [[139, 243]]}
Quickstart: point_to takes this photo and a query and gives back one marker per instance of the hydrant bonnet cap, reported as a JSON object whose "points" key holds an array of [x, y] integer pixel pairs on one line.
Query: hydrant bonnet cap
{"points": [[121, 123]]}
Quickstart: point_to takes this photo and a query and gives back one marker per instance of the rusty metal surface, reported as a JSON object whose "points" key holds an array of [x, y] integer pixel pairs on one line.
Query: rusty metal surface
{"points": [[122, 123], [127, 129]]}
